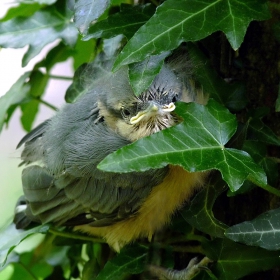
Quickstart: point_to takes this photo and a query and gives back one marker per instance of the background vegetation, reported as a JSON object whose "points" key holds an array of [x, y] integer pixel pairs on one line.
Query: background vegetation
{"points": [[234, 47]]}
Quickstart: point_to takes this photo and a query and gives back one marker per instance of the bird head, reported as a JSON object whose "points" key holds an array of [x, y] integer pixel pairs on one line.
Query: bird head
{"points": [[134, 117]]}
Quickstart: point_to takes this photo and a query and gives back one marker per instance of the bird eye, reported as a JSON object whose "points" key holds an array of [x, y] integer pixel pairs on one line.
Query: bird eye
{"points": [[175, 98], [125, 112]]}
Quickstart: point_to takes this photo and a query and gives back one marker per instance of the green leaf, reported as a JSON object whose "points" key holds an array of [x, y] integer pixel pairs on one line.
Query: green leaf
{"points": [[87, 75], [77, 88], [59, 53], [143, 73], [126, 22], [277, 103], [28, 268], [197, 144], [131, 260], [276, 30], [263, 133], [39, 268], [87, 11], [91, 269], [17, 93], [199, 213], [38, 30], [258, 151], [20, 272], [29, 111], [176, 21], [38, 82], [233, 260], [231, 95], [84, 52], [48, 2], [23, 9], [263, 231], [11, 237]]}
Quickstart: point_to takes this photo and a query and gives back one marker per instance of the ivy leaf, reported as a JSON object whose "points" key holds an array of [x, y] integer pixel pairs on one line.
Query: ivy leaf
{"points": [[233, 260], [142, 74], [258, 151], [47, 2], [77, 88], [126, 22], [38, 82], [263, 133], [17, 93], [263, 231], [231, 95], [29, 111], [87, 75], [176, 21], [38, 30], [277, 103], [199, 211], [197, 144], [91, 269], [131, 260], [84, 52], [57, 54], [11, 237], [40, 268], [23, 9], [86, 11]]}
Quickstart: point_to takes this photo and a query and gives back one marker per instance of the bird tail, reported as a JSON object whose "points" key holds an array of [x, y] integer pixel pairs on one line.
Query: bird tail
{"points": [[21, 218]]}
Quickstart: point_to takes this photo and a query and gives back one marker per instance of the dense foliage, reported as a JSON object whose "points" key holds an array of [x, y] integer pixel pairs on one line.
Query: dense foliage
{"points": [[234, 47]]}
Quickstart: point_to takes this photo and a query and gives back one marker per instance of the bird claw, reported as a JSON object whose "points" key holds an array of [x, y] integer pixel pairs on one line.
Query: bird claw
{"points": [[186, 274]]}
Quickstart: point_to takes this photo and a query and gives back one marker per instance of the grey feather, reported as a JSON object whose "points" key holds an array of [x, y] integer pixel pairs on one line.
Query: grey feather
{"points": [[67, 188]]}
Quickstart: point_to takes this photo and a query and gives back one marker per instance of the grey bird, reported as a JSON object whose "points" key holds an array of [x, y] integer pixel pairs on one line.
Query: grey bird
{"points": [[62, 184]]}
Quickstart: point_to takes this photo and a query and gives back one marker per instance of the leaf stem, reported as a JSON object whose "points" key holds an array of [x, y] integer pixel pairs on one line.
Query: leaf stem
{"points": [[196, 237], [188, 237], [275, 159], [188, 249], [75, 236], [57, 77], [47, 104], [270, 189], [182, 248], [155, 2]]}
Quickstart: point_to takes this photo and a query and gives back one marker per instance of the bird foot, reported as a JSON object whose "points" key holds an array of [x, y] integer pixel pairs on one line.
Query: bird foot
{"points": [[188, 273]]}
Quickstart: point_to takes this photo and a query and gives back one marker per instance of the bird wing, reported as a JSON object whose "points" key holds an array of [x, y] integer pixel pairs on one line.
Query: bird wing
{"points": [[69, 200], [33, 134], [67, 188]]}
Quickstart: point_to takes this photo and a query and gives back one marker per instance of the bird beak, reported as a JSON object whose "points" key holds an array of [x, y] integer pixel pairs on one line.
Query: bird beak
{"points": [[152, 110]]}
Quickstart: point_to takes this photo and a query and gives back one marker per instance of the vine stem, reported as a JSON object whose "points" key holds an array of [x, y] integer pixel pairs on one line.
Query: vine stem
{"points": [[57, 77], [47, 104], [270, 189], [75, 236]]}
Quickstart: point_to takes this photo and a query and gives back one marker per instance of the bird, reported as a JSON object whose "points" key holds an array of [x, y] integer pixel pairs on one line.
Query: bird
{"points": [[61, 182]]}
